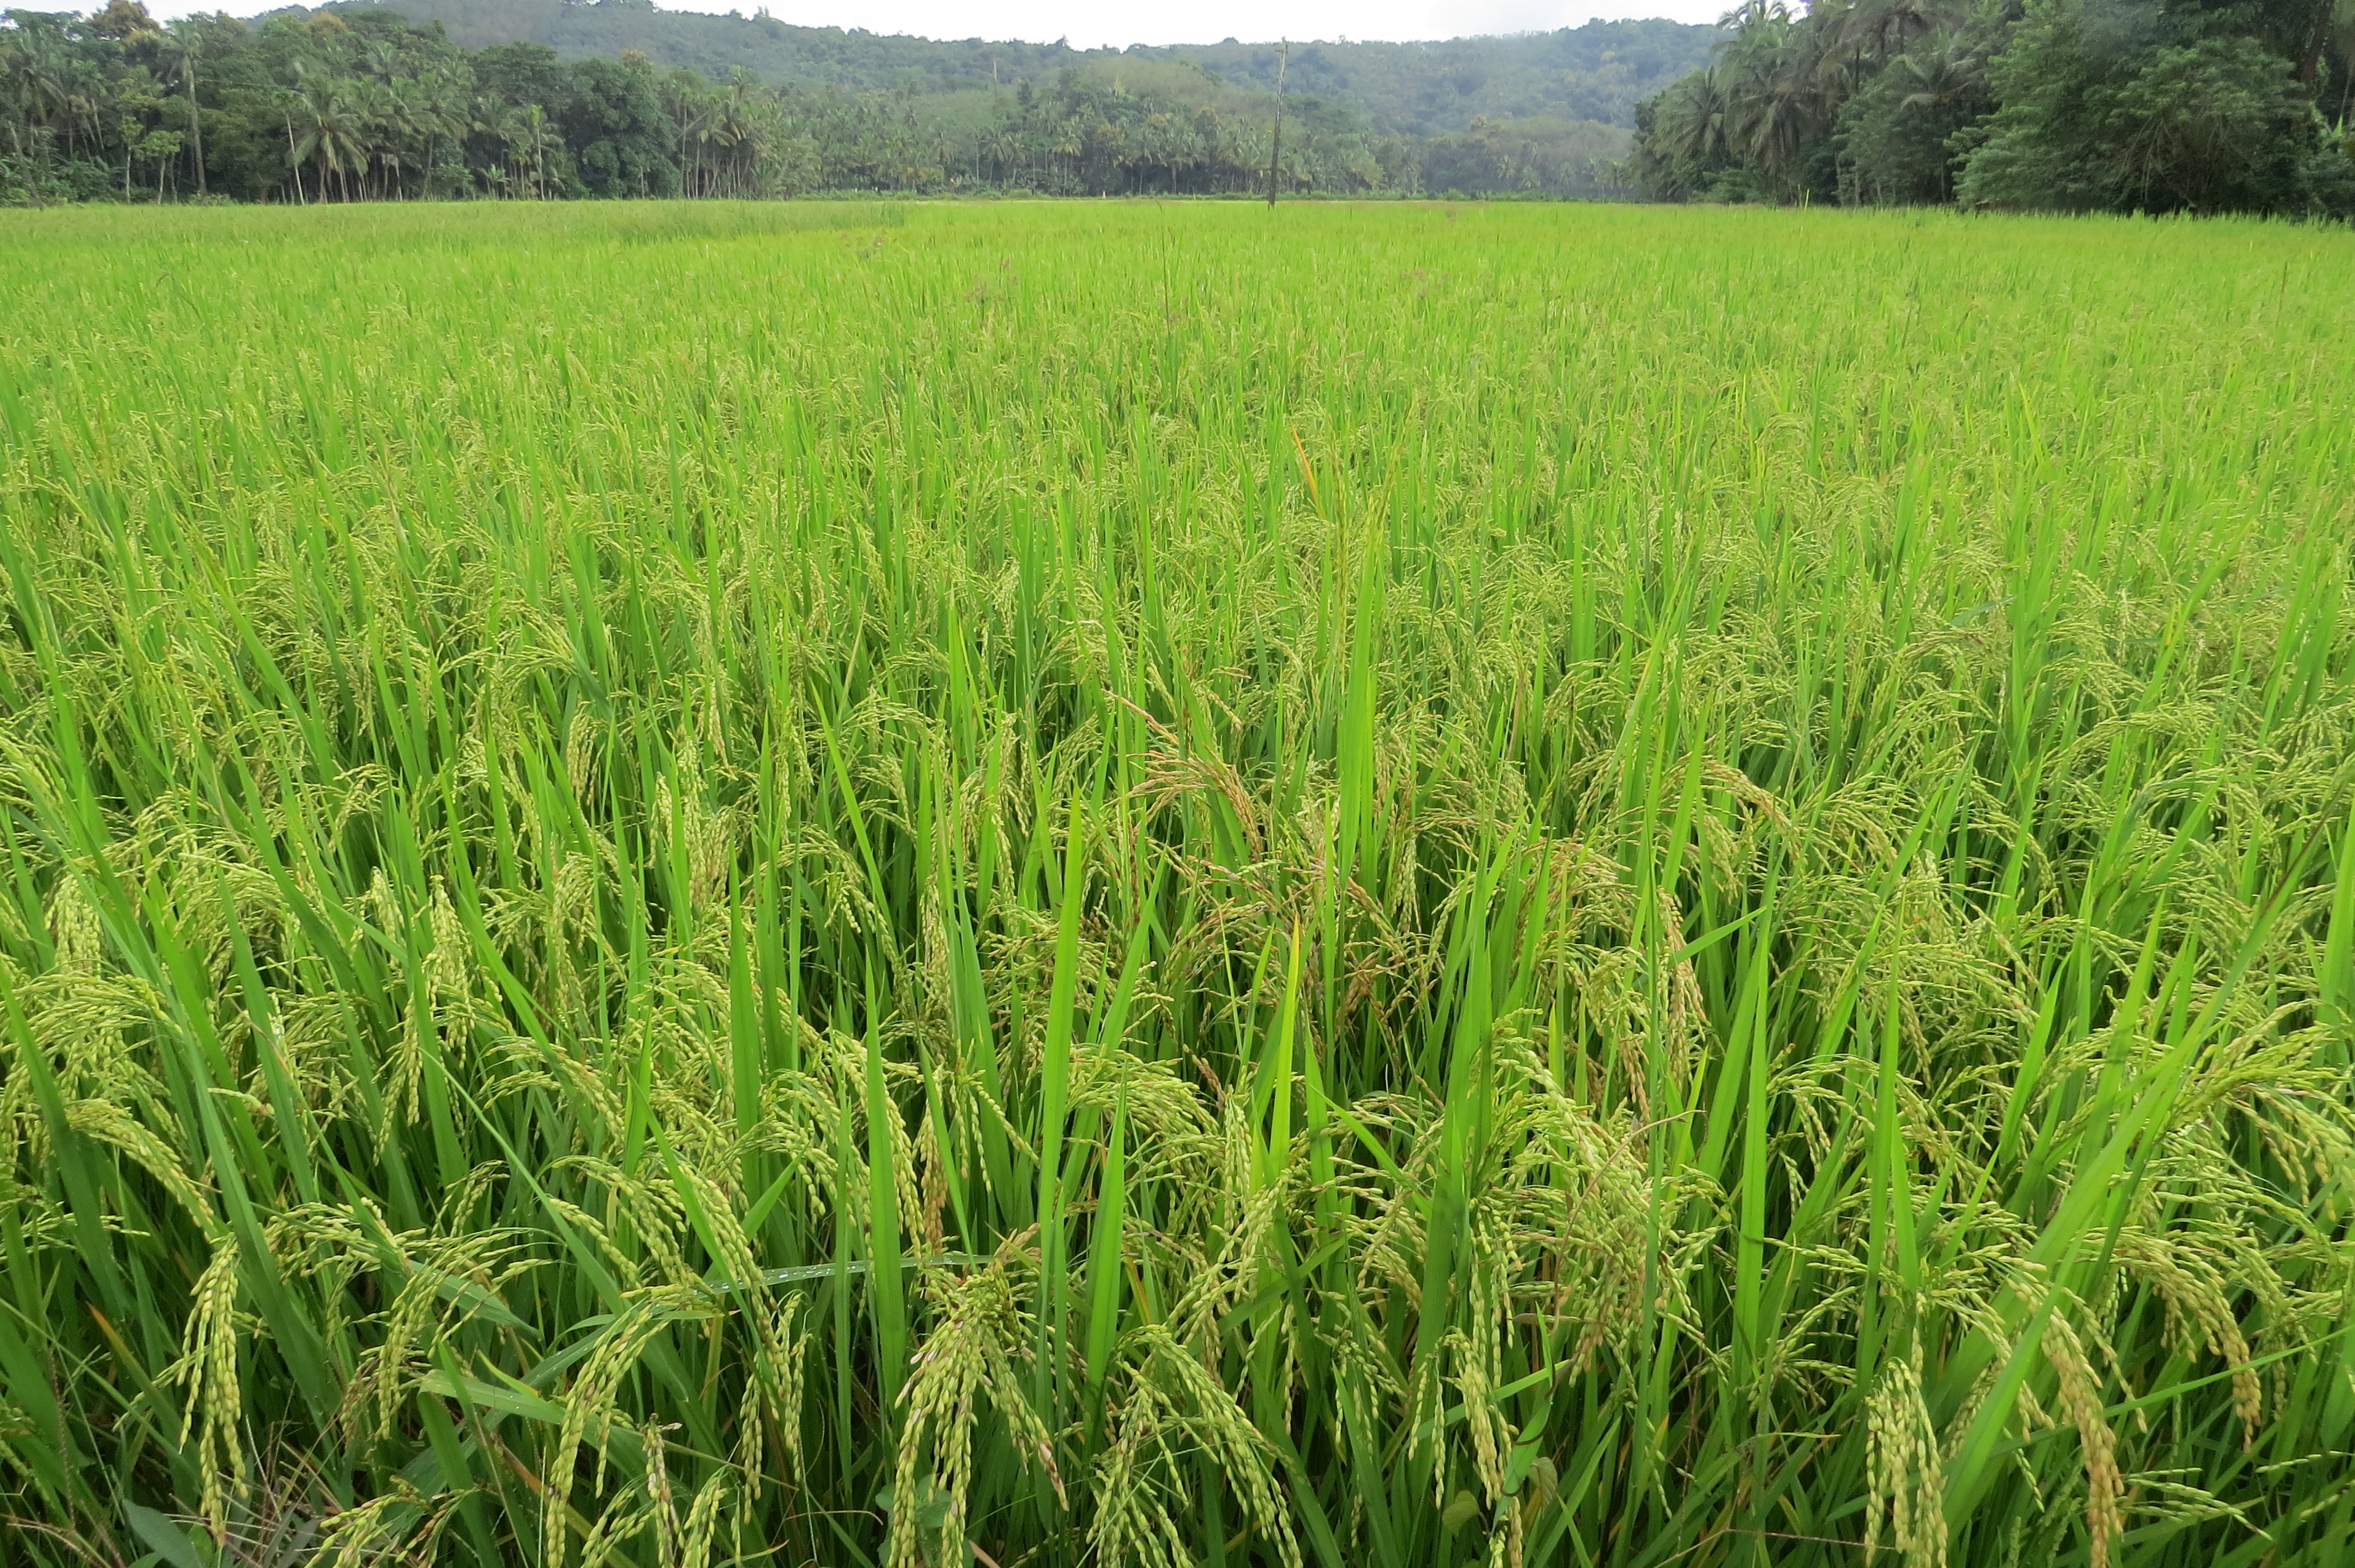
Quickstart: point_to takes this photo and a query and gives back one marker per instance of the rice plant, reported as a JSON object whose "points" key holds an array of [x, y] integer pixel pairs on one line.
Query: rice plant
{"points": [[1145, 886]]}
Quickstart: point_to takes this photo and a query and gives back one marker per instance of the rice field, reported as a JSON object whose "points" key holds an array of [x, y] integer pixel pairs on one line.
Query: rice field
{"points": [[1339, 887]]}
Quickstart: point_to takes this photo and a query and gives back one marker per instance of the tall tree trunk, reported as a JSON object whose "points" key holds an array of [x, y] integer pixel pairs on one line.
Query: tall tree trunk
{"points": [[196, 124], [2309, 58], [33, 182], [1276, 153]]}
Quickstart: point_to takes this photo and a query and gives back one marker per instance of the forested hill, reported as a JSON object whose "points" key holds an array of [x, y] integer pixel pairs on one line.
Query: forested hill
{"points": [[1596, 73]]}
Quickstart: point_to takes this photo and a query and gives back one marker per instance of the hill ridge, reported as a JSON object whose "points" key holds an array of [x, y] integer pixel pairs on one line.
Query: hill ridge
{"points": [[1596, 71]]}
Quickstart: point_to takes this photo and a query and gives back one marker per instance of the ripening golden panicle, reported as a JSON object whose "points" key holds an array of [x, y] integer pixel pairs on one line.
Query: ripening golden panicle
{"points": [[1349, 888]]}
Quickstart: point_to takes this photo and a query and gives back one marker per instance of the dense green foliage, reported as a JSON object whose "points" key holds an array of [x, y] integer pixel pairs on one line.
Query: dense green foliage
{"points": [[616, 100], [2054, 105], [1142, 885]]}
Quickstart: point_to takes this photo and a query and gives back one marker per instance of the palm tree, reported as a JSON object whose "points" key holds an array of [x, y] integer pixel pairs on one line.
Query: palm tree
{"points": [[402, 117], [1949, 71], [530, 139], [733, 126], [679, 96], [328, 131], [1893, 25], [380, 58], [1941, 75], [182, 46], [1692, 126], [1005, 148], [1779, 91], [385, 112], [441, 114], [43, 78]]}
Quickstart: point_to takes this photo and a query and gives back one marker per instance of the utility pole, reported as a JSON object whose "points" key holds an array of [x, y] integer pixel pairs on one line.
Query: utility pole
{"points": [[1275, 151]]}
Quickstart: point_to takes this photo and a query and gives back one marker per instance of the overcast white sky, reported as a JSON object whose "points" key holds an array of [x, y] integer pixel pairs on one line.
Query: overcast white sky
{"points": [[1089, 24]]}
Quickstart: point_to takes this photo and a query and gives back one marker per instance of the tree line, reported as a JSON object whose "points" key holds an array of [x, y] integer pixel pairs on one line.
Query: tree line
{"points": [[357, 105], [2057, 105]]}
